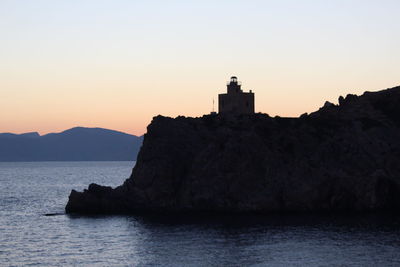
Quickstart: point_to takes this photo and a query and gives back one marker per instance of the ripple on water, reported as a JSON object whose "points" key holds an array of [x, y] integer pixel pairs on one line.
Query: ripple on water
{"points": [[30, 190]]}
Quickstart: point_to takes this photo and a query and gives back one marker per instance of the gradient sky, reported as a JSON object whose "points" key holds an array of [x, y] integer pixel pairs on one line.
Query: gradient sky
{"points": [[116, 64]]}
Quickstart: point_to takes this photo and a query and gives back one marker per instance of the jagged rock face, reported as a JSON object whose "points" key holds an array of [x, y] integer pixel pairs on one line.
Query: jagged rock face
{"points": [[343, 157]]}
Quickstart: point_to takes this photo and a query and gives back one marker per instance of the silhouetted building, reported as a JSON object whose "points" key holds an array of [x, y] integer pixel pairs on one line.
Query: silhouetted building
{"points": [[235, 100]]}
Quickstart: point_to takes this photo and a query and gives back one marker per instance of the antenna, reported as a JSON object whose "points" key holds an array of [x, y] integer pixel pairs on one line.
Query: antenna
{"points": [[213, 110]]}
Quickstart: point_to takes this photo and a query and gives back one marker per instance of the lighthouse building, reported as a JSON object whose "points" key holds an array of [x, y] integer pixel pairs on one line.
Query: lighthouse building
{"points": [[235, 101]]}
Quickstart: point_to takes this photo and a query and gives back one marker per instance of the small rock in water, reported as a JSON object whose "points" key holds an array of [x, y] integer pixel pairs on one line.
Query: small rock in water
{"points": [[53, 214]]}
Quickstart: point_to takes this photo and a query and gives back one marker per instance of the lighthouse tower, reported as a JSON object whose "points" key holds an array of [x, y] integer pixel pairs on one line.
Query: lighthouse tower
{"points": [[235, 101]]}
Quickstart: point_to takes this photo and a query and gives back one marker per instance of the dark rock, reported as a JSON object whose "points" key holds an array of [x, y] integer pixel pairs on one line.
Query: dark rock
{"points": [[340, 158], [341, 100], [328, 104], [351, 98], [304, 115]]}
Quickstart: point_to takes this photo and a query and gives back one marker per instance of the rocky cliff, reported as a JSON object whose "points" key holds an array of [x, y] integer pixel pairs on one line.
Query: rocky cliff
{"points": [[342, 157]]}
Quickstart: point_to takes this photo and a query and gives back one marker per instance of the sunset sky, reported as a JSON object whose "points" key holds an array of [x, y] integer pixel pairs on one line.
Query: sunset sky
{"points": [[115, 64]]}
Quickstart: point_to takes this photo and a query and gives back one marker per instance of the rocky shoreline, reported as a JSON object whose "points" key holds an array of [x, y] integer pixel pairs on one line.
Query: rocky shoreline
{"points": [[342, 157]]}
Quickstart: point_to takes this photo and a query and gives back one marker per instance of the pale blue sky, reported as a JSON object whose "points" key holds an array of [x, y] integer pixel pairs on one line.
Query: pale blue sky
{"points": [[115, 64]]}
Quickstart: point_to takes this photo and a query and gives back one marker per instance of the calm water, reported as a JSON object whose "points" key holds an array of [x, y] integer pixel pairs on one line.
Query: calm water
{"points": [[29, 190]]}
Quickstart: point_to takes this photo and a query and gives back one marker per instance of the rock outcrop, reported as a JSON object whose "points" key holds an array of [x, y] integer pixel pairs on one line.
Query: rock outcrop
{"points": [[343, 157]]}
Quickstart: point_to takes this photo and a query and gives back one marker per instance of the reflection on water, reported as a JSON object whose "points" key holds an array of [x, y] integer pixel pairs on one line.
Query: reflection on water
{"points": [[27, 237]]}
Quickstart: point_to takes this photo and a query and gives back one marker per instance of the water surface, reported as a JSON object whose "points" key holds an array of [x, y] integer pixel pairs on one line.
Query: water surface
{"points": [[29, 190]]}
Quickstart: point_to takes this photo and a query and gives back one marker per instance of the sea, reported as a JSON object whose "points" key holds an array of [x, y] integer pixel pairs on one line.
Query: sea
{"points": [[30, 190]]}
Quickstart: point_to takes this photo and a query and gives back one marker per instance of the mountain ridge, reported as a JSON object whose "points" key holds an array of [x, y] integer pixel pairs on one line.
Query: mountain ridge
{"points": [[74, 144]]}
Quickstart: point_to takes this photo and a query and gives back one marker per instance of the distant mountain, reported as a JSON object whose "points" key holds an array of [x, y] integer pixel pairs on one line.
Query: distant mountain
{"points": [[76, 144]]}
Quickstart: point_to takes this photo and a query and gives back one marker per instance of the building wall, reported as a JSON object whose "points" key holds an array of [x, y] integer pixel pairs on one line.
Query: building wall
{"points": [[236, 103]]}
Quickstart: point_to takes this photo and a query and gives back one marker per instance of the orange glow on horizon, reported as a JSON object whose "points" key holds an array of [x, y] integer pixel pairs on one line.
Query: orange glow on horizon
{"points": [[67, 64]]}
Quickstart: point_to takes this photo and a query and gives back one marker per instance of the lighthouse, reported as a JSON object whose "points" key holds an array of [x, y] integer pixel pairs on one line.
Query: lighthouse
{"points": [[235, 101]]}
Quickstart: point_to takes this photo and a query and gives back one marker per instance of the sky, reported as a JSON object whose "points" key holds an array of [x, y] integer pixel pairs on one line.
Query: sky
{"points": [[115, 64]]}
